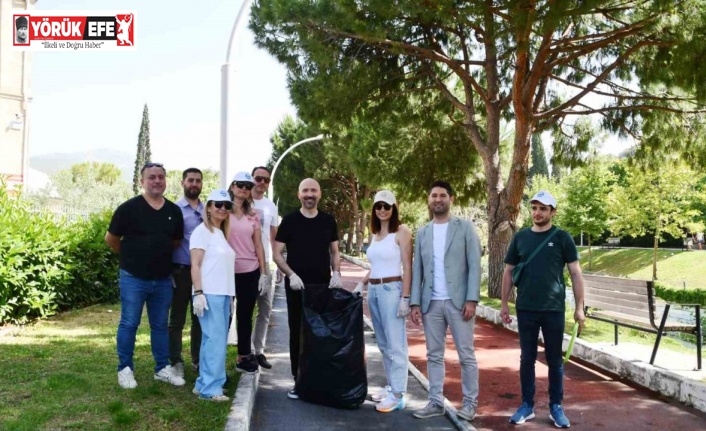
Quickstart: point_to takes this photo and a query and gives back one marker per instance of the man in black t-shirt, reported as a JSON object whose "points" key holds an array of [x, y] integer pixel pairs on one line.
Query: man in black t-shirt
{"points": [[311, 238], [541, 302], [145, 230]]}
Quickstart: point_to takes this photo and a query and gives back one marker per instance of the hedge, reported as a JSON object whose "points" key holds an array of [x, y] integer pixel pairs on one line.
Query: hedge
{"points": [[48, 265]]}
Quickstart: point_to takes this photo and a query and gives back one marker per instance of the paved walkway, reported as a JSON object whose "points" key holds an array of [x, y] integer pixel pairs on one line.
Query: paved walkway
{"points": [[592, 401], [273, 411]]}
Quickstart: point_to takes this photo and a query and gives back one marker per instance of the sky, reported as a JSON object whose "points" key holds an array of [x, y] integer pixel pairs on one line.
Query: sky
{"points": [[91, 100]]}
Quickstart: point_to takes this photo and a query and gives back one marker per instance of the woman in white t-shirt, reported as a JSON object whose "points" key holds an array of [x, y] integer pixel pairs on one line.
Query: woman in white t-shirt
{"points": [[212, 265], [389, 279]]}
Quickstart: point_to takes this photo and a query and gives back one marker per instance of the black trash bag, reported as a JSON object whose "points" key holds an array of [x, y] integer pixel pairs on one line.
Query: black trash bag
{"points": [[332, 368]]}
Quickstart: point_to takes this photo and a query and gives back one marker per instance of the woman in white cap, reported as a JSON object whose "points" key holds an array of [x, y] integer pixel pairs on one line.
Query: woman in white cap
{"points": [[389, 283], [212, 264], [250, 273]]}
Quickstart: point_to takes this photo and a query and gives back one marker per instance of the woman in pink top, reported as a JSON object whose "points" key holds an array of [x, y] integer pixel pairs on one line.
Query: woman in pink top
{"points": [[250, 271]]}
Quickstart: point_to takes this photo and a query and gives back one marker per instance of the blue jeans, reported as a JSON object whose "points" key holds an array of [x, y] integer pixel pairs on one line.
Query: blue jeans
{"points": [[134, 293], [214, 342], [390, 332], [552, 325]]}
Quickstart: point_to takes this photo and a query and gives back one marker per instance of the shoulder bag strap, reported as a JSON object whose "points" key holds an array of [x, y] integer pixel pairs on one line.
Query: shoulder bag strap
{"points": [[546, 240]]}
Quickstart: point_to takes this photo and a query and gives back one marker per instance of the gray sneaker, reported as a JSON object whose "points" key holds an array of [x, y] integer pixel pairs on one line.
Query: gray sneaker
{"points": [[178, 369], [467, 412], [167, 375], [429, 411]]}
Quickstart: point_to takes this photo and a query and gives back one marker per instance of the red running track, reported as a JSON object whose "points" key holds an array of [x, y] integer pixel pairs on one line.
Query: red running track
{"points": [[592, 401]]}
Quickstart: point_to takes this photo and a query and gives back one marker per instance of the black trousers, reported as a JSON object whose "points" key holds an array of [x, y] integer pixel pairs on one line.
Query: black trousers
{"points": [[181, 299], [246, 292]]}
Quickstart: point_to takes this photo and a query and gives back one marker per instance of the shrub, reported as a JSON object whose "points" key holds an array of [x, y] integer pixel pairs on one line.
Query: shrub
{"points": [[33, 261], [93, 267], [47, 265]]}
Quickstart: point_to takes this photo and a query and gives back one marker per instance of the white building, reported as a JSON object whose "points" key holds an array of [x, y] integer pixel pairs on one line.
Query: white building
{"points": [[15, 98]]}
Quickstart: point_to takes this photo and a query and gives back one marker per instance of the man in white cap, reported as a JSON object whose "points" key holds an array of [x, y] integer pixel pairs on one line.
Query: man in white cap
{"points": [[540, 253]]}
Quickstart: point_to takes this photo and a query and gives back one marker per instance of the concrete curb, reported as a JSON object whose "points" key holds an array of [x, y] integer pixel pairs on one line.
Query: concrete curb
{"points": [[451, 412], [243, 403], [690, 392]]}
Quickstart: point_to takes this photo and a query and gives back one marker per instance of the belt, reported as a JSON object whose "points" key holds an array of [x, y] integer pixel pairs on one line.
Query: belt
{"points": [[180, 266], [385, 280]]}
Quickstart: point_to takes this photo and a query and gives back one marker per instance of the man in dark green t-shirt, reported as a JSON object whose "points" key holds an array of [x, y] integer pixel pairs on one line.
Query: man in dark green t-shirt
{"points": [[540, 302]]}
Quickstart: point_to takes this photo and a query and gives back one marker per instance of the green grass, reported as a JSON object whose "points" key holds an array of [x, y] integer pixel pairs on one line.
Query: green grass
{"points": [[674, 268], [60, 374]]}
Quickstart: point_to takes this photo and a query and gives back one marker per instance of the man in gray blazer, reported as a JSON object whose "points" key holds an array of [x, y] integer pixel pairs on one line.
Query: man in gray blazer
{"points": [[445, 292]]}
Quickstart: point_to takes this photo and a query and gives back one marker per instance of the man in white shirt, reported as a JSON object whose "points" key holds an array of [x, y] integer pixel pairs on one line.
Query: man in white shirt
{"points": [[269, 220], [445, 292]]}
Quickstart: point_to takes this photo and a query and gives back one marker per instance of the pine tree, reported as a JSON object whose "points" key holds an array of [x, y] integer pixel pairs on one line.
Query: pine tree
{"points": [[539, 160], [144, 153]]}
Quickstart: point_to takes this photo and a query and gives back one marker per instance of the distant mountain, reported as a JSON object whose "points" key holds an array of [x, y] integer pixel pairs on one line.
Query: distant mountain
{"points": [[54, 162]]}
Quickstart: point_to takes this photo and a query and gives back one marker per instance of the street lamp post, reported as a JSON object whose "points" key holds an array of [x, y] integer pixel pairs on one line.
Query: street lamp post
{"points": [[271, 189], [225, 88]]}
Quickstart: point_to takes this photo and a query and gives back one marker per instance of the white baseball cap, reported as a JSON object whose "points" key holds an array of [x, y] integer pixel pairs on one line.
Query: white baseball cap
{"points": [[243, 176], [544, 197], [218, 195], [385, 196]]}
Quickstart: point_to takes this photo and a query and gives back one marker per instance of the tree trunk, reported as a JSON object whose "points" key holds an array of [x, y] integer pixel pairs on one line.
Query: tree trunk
{"points": [[504, 203], [351, 232], [654, 257]]}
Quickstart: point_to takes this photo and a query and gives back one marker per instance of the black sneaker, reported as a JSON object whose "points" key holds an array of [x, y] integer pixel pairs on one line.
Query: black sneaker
{"points": [[247, 365], [293, 395], [262, 360]]}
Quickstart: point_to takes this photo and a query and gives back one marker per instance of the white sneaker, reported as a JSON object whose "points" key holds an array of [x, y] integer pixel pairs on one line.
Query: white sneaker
{"points": [[168, 375], [390, 404], [381, 395], [178, 369], [126, 379]]}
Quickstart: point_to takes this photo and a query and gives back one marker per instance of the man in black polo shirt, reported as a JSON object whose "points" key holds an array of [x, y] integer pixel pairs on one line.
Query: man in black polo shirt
{"points": [[145, 230], [311, 238], [543, 250]]}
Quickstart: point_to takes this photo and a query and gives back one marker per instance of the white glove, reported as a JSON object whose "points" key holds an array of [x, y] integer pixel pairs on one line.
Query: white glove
{"points": [[335, 281], [263, 284], [403, 308], [200, 304], [295, 283], [358, 291]]}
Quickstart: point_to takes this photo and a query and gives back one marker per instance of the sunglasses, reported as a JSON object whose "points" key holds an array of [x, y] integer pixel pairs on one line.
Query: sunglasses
{"points": [[243, 185], [260, 179], [198, 214], [382, 205], [220, 204], [151, 165]]}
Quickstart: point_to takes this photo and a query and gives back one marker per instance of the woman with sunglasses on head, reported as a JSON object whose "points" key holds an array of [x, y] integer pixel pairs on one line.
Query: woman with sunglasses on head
{"points": [[389, 283], [212, 265], [250, 272]]}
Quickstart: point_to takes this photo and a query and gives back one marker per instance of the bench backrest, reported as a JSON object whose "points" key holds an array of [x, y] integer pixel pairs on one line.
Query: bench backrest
{"points": [[622, 295]]}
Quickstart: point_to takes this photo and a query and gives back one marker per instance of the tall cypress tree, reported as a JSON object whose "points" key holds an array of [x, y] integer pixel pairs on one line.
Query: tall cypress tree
{"points": [[144, 153], [539, 160]]}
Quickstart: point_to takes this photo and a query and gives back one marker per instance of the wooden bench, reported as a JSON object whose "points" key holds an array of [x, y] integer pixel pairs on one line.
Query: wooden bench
{"points": [[633, 304], [612, 242]]}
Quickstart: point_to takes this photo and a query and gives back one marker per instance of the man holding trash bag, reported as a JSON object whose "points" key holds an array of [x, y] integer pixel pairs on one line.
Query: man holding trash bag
{"points": [[535, 264], [311, 238]]}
